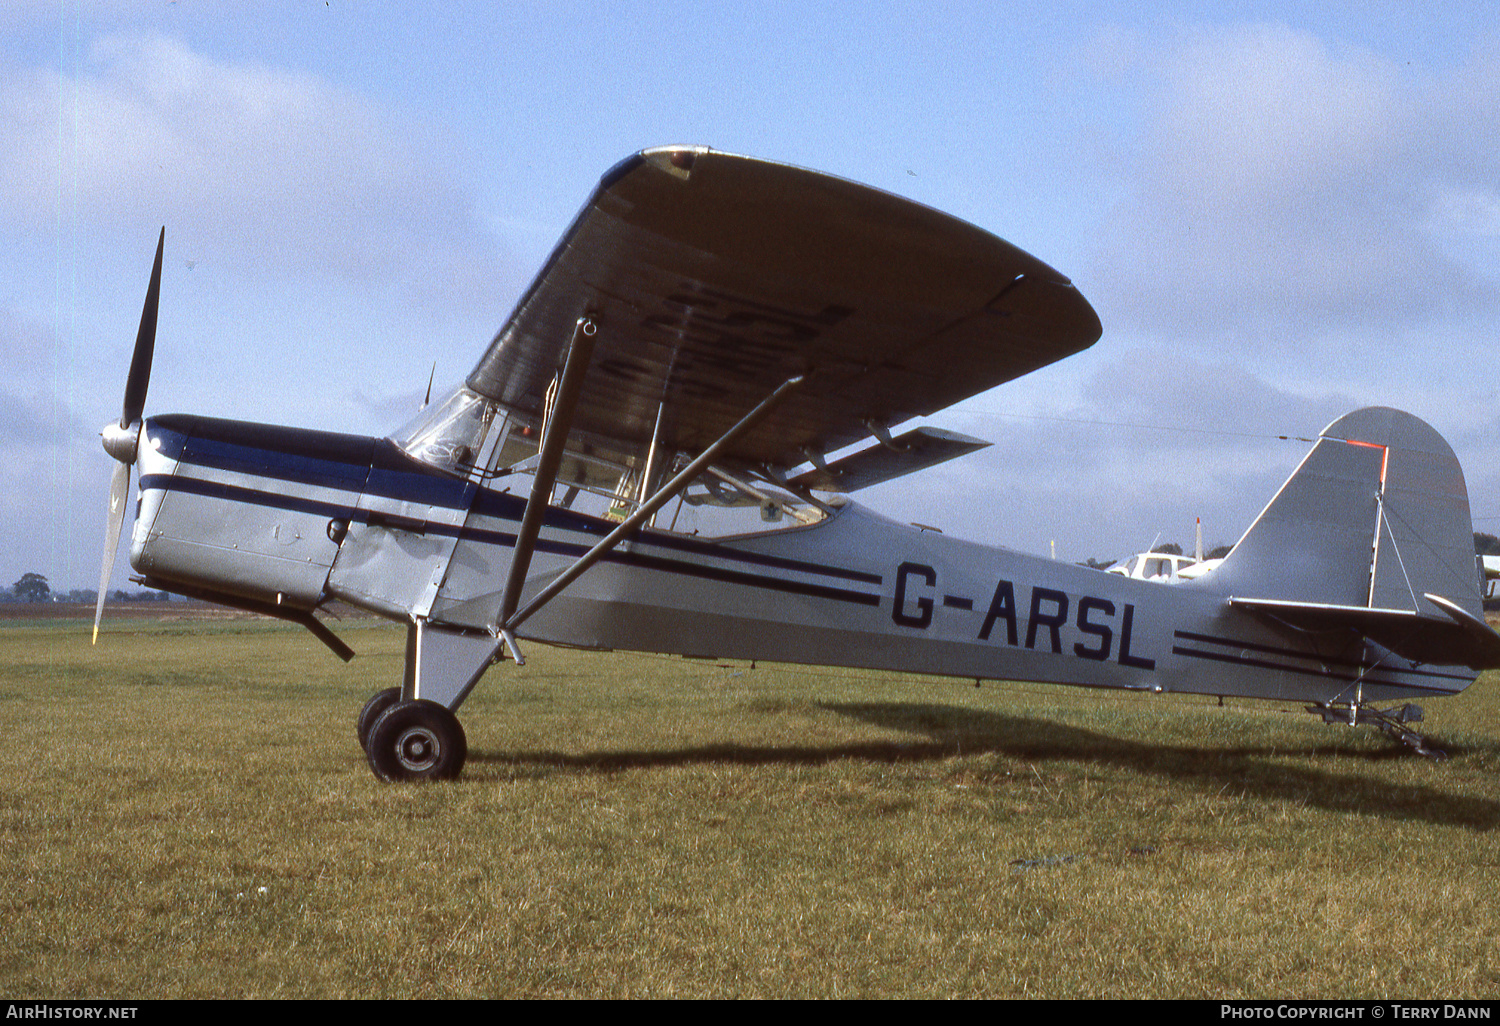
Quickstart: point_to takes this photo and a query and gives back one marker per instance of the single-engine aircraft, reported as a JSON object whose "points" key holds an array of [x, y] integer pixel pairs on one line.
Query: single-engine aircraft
{"points": [[714, 329]]}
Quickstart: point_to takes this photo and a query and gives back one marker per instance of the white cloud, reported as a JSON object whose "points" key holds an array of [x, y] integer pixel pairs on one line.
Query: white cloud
{"points": [[254, 167], [1144, 441], [1461, 211], [1286, 186], [280, 186]]}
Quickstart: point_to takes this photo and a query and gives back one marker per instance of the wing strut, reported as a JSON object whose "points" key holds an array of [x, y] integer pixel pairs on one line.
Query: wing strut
{"points": [[554, 438], [647, 509]]}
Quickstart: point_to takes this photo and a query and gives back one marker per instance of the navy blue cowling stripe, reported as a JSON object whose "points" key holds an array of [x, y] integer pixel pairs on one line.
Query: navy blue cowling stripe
{"points": [[324, 456]]}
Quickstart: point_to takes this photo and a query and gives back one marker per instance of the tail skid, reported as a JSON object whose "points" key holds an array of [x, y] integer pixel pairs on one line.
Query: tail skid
{"points": [[1371, 534], [1391, 722]]}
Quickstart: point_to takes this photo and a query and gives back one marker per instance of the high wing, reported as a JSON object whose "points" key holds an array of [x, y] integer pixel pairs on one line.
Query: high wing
{"points": [[714, 278]]}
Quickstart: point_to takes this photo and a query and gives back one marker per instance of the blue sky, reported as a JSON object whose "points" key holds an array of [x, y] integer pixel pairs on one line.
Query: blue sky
{"points": [[1281, 212]]}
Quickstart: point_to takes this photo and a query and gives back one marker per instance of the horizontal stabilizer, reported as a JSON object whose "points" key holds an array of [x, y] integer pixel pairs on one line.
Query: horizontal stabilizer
{"points": [[1481, 637], [1456, 639], [915, 450]]}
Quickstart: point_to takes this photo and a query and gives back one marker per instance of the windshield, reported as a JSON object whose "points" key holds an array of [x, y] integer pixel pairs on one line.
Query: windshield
{"points": [[448, 433]]}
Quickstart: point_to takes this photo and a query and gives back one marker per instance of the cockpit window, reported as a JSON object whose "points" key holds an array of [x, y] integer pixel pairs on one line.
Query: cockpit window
{"points": [[448, 433]]}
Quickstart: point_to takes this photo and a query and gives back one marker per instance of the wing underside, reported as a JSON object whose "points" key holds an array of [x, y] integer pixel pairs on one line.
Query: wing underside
{"points": [[713, 278]]}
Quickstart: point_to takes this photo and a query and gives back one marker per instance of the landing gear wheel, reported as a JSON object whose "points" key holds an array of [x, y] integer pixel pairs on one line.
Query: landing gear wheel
{"points": [[418, 740], [378, 703]]}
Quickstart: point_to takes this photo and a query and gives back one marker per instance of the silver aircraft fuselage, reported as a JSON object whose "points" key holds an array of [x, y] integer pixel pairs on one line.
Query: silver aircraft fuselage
{"points": [[285, 518]]}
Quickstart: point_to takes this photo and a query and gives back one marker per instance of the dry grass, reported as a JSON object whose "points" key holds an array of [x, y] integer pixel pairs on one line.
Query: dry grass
{"points": [[186, 813]]}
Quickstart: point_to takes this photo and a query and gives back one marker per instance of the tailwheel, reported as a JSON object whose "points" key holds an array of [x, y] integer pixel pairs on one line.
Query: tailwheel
{"points": [[418, 740], [1392, 722], [378, 703]]}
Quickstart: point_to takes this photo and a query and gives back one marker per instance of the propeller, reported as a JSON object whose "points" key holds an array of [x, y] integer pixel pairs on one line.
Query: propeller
{"points": [[121, 440]]}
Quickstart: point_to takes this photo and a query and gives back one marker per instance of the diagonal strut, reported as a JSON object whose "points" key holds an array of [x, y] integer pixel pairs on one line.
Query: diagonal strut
{"points": [[554, 438], [647, 509]]}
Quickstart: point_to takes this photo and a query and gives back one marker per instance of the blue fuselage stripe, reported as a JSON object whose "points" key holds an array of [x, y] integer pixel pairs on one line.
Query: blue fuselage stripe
{"points": [[378, 468], [295, 462], [1238, 655]]}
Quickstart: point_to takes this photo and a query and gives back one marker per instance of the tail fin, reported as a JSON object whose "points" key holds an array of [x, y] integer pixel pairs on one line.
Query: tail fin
{"points": [[1371, 532]]}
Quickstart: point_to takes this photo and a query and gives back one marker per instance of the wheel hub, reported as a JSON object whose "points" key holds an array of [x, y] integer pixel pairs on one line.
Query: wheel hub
{"points": [[418, 749]]}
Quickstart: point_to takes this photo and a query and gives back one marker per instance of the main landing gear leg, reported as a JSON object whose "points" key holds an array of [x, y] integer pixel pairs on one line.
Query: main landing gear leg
{"points": [[412, 732], [1392, 722]]}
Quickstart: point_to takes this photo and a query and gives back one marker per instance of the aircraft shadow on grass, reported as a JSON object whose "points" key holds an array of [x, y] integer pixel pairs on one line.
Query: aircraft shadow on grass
{"points": [[955, 730]]}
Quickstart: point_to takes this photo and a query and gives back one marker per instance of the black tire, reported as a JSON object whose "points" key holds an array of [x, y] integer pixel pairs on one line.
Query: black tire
{"points": [[418, 740], [378, 703]]}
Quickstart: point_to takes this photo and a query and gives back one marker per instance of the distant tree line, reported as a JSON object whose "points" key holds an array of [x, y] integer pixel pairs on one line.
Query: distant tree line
{"points": [[33, 587]]}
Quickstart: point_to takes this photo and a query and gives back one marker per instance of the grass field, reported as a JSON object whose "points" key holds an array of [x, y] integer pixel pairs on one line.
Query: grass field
{"points": [[186, 813]]}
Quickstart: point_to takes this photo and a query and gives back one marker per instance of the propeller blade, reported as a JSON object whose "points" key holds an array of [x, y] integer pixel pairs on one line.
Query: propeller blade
{"points": [[145, 345], [121, 442], [119, 492]]}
